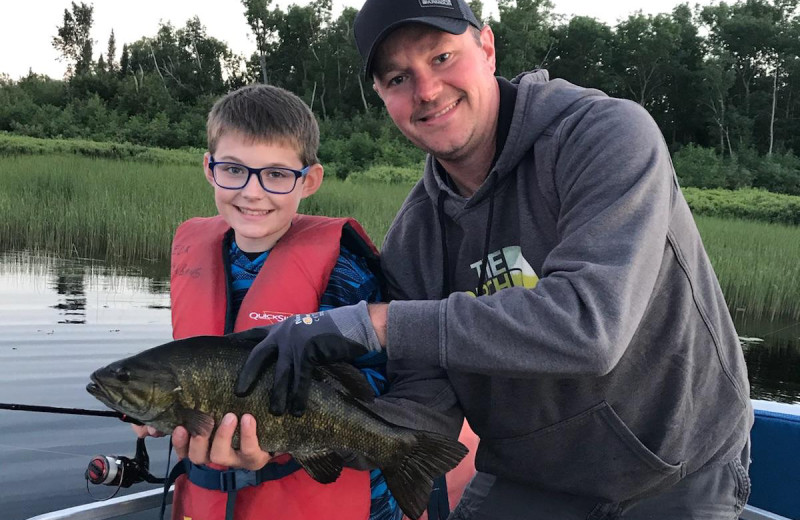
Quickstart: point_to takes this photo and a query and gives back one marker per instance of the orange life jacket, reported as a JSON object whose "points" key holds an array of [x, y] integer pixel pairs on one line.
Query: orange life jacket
{"points": [[292, 281]]}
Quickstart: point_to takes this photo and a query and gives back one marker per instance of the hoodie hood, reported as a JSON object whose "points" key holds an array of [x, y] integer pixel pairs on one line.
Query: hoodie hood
{"points": [[540, 106]]}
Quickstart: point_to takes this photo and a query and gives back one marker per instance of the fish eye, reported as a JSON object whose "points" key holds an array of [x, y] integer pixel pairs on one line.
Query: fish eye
{"points": [[122, 374]]}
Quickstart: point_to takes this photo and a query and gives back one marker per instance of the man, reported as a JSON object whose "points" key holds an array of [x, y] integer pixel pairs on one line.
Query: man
{"points": [[547, 279]]}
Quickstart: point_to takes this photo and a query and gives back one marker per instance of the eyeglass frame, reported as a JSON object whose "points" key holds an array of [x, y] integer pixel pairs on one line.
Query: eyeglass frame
{"points": [[257, 172]]}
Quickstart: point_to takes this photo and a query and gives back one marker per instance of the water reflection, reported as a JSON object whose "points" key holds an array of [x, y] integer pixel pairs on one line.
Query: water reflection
{"points": [[45, 290], [73, 307], [772, 352]]}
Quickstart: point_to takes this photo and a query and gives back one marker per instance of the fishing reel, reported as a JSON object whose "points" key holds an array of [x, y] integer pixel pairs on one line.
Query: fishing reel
{"points": [[112, 470]]}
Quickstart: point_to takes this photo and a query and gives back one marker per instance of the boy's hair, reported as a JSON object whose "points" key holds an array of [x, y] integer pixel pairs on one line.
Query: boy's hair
{"points": [[268, 114]]}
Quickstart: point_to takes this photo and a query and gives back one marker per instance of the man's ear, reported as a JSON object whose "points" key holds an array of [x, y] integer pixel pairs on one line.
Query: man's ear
{"points": [[206, 170], [377, 89], [487, 44], [313, 179]]}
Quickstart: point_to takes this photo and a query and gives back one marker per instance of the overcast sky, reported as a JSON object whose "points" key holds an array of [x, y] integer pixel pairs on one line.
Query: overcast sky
{"points": [[29, 25]]}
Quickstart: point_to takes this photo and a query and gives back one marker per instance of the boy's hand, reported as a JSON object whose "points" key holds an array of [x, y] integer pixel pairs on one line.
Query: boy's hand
{"points": [[143, 431], [248, 456], [299, 343]]}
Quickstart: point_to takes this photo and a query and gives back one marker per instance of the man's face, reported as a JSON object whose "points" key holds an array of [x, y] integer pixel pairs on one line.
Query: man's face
{"points": [[439, 89]]}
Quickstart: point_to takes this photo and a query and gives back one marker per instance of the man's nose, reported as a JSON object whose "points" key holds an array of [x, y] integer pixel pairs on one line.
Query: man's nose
{"points": [[427, 86]]}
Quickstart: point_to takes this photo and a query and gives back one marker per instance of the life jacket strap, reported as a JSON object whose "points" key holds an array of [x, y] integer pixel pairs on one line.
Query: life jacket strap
{"points": [[439, 503], [231, 479]]}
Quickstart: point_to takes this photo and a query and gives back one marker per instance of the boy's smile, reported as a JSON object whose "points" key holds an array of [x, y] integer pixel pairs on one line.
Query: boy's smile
{"points": [[259, 218]]}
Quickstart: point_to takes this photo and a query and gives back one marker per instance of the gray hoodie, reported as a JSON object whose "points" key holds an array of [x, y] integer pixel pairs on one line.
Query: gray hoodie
{"points": [[599, 357]]}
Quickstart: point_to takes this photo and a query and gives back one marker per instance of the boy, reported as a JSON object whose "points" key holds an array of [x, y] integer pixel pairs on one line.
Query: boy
{"points": [[255, 264]]}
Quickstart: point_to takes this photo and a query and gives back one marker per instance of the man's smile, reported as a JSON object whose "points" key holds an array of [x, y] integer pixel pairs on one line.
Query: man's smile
{"points": [[439, 113]]}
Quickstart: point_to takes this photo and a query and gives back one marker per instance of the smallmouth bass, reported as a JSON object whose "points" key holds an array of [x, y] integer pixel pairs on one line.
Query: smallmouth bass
{"points": [[190, 382]]}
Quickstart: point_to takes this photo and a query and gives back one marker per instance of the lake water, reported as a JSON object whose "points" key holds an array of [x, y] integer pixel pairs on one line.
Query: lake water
{"points": [[60, 320]]}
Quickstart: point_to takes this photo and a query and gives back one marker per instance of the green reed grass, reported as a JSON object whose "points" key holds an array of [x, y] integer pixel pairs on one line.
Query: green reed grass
{"points": [[757, 264], [110, 209], [123, 211]]}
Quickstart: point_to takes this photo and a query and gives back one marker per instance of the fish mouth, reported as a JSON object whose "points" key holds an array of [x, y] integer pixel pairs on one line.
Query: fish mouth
{"points": [[94, 389], [97, 390]]}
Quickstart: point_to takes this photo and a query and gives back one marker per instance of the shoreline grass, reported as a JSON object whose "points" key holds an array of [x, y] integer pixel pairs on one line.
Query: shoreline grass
{"points": [[102, 208], [126, 212]]}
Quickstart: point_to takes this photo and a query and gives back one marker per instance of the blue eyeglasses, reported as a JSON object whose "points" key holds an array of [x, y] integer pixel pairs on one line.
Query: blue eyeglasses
{"points": [[235, 176]]}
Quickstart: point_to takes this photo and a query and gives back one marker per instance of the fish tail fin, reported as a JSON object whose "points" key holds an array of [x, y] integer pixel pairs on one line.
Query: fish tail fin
{"points": [[411, 479]]}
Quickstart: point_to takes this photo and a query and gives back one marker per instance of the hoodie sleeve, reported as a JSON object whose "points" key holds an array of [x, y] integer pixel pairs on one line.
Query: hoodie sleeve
{"points": [[614, 180], [420, 395]]}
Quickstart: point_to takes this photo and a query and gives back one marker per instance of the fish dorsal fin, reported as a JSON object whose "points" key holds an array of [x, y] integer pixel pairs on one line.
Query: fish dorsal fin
{"points": [[324, 466], [347, 379], [247, 338], [197, 422]]}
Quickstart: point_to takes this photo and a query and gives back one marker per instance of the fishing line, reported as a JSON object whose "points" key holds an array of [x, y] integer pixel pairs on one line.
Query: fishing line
{"points": [[119, 486], [40, 450], [783, 328]]}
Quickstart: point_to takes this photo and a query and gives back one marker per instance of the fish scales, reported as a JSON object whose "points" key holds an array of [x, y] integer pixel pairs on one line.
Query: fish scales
{"points": [[327, 421]]}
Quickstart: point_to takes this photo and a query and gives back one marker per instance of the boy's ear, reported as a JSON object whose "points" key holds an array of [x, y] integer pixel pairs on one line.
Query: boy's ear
{"points": [[206, 170], [313, 180]]}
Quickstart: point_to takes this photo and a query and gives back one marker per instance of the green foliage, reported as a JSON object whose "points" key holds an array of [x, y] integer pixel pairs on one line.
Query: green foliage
{"points": [[11, 145], [581, 52], [779, 172], [384, 174], [708, 76], [748, 204], [522, 37], [704, 168], [365, 140], [699, 167], [74, 40]]}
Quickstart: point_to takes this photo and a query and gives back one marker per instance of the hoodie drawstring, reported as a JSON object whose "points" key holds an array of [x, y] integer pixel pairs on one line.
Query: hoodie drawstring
{"points": [[445, 255], [486, 241]]}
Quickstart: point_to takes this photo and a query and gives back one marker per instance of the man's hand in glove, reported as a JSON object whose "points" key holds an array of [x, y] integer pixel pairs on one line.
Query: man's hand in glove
{"points": [[299, 343]]}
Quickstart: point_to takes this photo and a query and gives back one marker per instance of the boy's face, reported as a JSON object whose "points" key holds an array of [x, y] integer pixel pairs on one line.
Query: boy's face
{"points": [[259, 218]]}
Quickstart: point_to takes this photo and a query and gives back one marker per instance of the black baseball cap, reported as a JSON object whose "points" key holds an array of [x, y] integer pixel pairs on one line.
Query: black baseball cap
{"points": [[378, 18]]}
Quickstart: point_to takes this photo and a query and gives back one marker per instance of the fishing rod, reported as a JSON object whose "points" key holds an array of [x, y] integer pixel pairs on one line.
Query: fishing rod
{"points": [[70, 411], [109, 470]]}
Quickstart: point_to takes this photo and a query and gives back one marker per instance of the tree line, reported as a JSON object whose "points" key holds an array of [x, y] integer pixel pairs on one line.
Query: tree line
{"points": [[722, 81]]}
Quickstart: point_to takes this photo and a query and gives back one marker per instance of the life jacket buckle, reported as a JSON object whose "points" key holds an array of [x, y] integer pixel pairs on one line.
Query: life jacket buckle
{"points": [[233, 479]]}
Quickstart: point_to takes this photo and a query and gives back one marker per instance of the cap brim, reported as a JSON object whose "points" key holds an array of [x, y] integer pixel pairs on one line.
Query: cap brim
{"points": [[450, 25]]}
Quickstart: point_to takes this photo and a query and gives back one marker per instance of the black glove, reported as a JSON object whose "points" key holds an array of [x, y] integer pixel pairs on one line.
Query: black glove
{"points": [[301, 342]]}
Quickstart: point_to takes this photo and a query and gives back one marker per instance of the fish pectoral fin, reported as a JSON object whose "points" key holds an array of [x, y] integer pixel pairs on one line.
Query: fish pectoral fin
{"points": [[323, 466], [198, 423], [347, 379]]}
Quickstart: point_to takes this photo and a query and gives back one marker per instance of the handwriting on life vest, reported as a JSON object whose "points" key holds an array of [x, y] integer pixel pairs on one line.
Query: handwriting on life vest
{"points": [[180, 249], [184, 270]]}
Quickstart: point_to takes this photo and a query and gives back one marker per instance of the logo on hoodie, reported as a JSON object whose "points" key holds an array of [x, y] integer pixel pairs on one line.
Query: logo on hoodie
{"points": [[504, 268]]}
